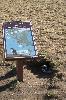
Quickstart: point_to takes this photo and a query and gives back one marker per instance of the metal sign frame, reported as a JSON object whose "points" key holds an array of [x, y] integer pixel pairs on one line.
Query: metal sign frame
{"points": [[18, 24]]}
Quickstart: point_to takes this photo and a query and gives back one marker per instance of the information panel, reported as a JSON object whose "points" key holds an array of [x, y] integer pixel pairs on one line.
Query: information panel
{"points": [[19, 40]]}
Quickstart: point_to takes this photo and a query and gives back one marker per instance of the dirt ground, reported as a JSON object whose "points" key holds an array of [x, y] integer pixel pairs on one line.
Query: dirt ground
{"points": [[49, 26]]}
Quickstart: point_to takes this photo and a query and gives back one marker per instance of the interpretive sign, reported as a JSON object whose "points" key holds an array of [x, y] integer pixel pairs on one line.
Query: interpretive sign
{"points": [[19, 40]]}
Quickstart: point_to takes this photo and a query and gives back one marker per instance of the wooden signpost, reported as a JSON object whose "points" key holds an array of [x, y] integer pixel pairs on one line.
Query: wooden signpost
{"points": [[19, 44], [19, 69]]}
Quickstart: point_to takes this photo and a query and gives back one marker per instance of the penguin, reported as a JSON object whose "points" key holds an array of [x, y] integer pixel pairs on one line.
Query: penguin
{"points": [[14, 51]]}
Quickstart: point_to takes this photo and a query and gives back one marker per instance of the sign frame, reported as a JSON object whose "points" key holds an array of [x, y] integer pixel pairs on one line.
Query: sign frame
{"points": [[25, 24]]}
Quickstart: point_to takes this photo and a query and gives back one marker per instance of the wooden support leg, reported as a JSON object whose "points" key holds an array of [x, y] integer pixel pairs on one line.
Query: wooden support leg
{"points": [[19, 69]]}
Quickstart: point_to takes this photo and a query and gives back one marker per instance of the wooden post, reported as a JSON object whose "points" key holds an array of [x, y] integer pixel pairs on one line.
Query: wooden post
{"points": [[19, 69]]}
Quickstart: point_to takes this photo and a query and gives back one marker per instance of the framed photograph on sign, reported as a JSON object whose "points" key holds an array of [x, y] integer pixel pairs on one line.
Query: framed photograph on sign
{"points": [[19, 40]]}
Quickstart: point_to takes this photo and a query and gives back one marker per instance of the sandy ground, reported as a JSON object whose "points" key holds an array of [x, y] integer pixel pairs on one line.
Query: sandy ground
{"points": [[49, 26]]}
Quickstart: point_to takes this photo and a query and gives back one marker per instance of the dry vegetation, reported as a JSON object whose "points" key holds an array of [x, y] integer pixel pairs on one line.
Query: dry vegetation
{"points": [[49, 25]]}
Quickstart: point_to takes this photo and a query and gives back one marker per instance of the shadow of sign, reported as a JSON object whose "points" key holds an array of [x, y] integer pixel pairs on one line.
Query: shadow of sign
{"points": [[43, 68]]}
